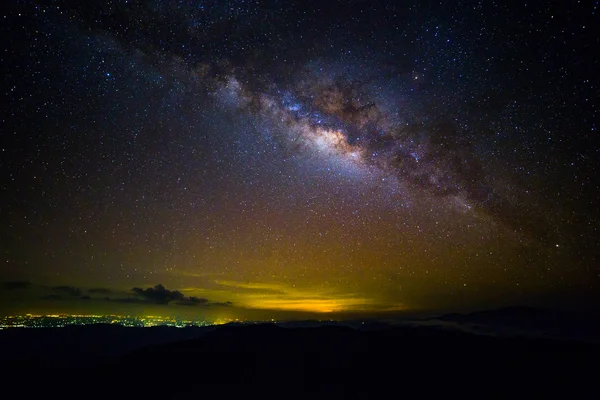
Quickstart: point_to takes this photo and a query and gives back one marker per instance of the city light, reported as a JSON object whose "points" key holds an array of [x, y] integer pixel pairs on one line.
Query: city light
{"points": [[62, 320]]}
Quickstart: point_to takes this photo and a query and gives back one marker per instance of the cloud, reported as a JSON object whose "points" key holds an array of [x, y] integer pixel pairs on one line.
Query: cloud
{"points": [[67, 293], [126, 300], [53, 296], [186, 303], [156, 295], [99, 291], [68, 290], [199, 302], [193, 301], [159, 294], [222, 304], [15, 285]]}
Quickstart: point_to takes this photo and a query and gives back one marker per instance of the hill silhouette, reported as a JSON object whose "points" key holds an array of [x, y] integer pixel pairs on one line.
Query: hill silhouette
{"points": [[303, 359]]}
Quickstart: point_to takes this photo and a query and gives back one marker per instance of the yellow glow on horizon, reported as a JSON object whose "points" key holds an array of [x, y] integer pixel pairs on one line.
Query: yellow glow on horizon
{"points": [[310, 305], [284, 297], [323, 305]]}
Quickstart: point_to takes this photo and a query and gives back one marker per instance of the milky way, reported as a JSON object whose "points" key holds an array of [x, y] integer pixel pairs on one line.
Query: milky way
{"points": [[260, 159], [344, 119]]}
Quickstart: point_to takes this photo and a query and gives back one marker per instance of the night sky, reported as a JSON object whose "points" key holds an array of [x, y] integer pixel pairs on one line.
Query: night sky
{"points": [[274, 159]]}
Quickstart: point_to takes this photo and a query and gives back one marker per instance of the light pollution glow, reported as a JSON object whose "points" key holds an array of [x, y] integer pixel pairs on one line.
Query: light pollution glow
{"points": [[281, 297]]}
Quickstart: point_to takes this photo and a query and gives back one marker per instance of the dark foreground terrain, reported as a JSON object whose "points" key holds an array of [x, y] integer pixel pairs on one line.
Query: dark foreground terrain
{"points": [[296, 361]]}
